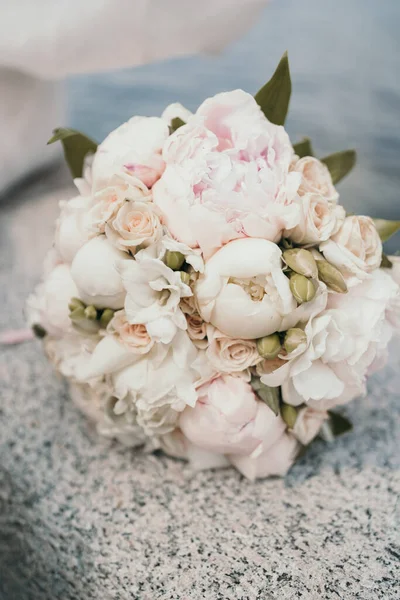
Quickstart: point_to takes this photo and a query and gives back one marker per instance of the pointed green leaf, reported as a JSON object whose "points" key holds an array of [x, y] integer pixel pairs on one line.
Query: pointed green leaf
{"points": [[274, 97], [386, 228], [76, 147], [386, 263], [303, 148], [338, 424], [340, 164], [176, 122], [271, 396]]}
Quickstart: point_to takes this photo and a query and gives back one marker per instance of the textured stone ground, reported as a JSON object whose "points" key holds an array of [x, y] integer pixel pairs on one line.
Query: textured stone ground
{"points": [[82, 518]]}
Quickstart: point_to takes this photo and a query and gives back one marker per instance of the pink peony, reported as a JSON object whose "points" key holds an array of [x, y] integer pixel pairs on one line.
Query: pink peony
{"points": [[229, 419], [227, 175]]}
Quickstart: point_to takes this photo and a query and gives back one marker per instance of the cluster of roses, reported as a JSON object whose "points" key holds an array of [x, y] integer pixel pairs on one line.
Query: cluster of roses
{"points": [[207, 294]]}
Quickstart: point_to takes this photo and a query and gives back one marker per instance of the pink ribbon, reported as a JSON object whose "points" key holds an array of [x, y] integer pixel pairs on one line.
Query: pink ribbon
{"points": [[16, 336]]}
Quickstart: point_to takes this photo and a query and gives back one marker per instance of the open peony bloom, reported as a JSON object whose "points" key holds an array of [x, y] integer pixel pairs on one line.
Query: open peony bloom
{"points": [[94, 271], [133, 149], [243, 291], [227, 175], [229, 419]]}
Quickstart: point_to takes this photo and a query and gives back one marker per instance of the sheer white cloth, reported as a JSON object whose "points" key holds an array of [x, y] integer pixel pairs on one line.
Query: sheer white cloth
{"points": [[42, 41]]}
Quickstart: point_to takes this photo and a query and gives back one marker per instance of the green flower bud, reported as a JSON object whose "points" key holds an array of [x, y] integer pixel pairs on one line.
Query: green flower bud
{"points": [[302, 288], [39, 331], [293, 338], [269, 346], [289, 414], [301, 261], [78, 314], [174, 260], [331, 276], [185, 277], [91, 313], [106, 317], [75, 303]]}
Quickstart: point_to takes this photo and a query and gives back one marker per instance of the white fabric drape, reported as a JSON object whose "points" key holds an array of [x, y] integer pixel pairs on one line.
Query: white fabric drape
{"points": [[42, 41]]}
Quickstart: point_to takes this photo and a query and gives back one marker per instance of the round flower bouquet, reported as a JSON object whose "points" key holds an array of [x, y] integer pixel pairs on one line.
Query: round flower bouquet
{"points": [[207, 293]]}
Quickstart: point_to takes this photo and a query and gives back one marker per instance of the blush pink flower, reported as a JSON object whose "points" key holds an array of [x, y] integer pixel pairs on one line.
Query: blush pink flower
{"points": [[227, 175]]}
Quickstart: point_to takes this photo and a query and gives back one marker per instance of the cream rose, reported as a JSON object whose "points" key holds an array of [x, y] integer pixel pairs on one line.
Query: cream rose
{"points": [[197, 330], [228, 355], [135, 224], [108, 201], [356, 249], [134, 337], [133, 149], [319, 219], [315, 178], [227, 175], [243, 291], [94, 271]]}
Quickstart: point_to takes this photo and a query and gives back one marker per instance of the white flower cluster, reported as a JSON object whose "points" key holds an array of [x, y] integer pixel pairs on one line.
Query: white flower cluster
{"points": [[198, 267]]}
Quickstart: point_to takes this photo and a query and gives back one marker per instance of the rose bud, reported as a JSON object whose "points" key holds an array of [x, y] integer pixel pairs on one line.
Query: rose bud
{"points": [[331, 276], [293, 339], [269, 346], [289, 414], [174, 260], [302, 288], [301, 261]]}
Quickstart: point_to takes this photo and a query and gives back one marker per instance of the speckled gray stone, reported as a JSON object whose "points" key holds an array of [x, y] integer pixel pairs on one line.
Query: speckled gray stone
{"points": [[83, 518]]}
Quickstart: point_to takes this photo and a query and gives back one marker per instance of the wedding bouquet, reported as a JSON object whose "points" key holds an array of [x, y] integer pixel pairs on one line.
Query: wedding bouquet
{"points": [[207, 293]]}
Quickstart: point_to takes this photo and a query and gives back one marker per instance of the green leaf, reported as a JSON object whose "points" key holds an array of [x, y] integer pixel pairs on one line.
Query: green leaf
{"points": [[338, 424], [386, 263], [76, 147], [386, 228], [303, 148], [340, 164], [176, 122], [271, 396], [274, 97]]}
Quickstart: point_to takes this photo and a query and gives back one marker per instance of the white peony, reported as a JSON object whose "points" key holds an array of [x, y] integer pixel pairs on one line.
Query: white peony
{"points": [[48, 306], [244, 293], [94, 271], [133, 149], [342, 343], [356, 249], [73, 227]]}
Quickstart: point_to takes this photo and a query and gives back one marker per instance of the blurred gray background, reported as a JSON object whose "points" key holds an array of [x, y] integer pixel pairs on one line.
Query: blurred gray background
{"points": [[345, 64]]}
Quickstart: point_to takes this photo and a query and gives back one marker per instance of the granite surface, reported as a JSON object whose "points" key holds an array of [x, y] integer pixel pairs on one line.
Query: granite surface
{"points": [[82, 518]]}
